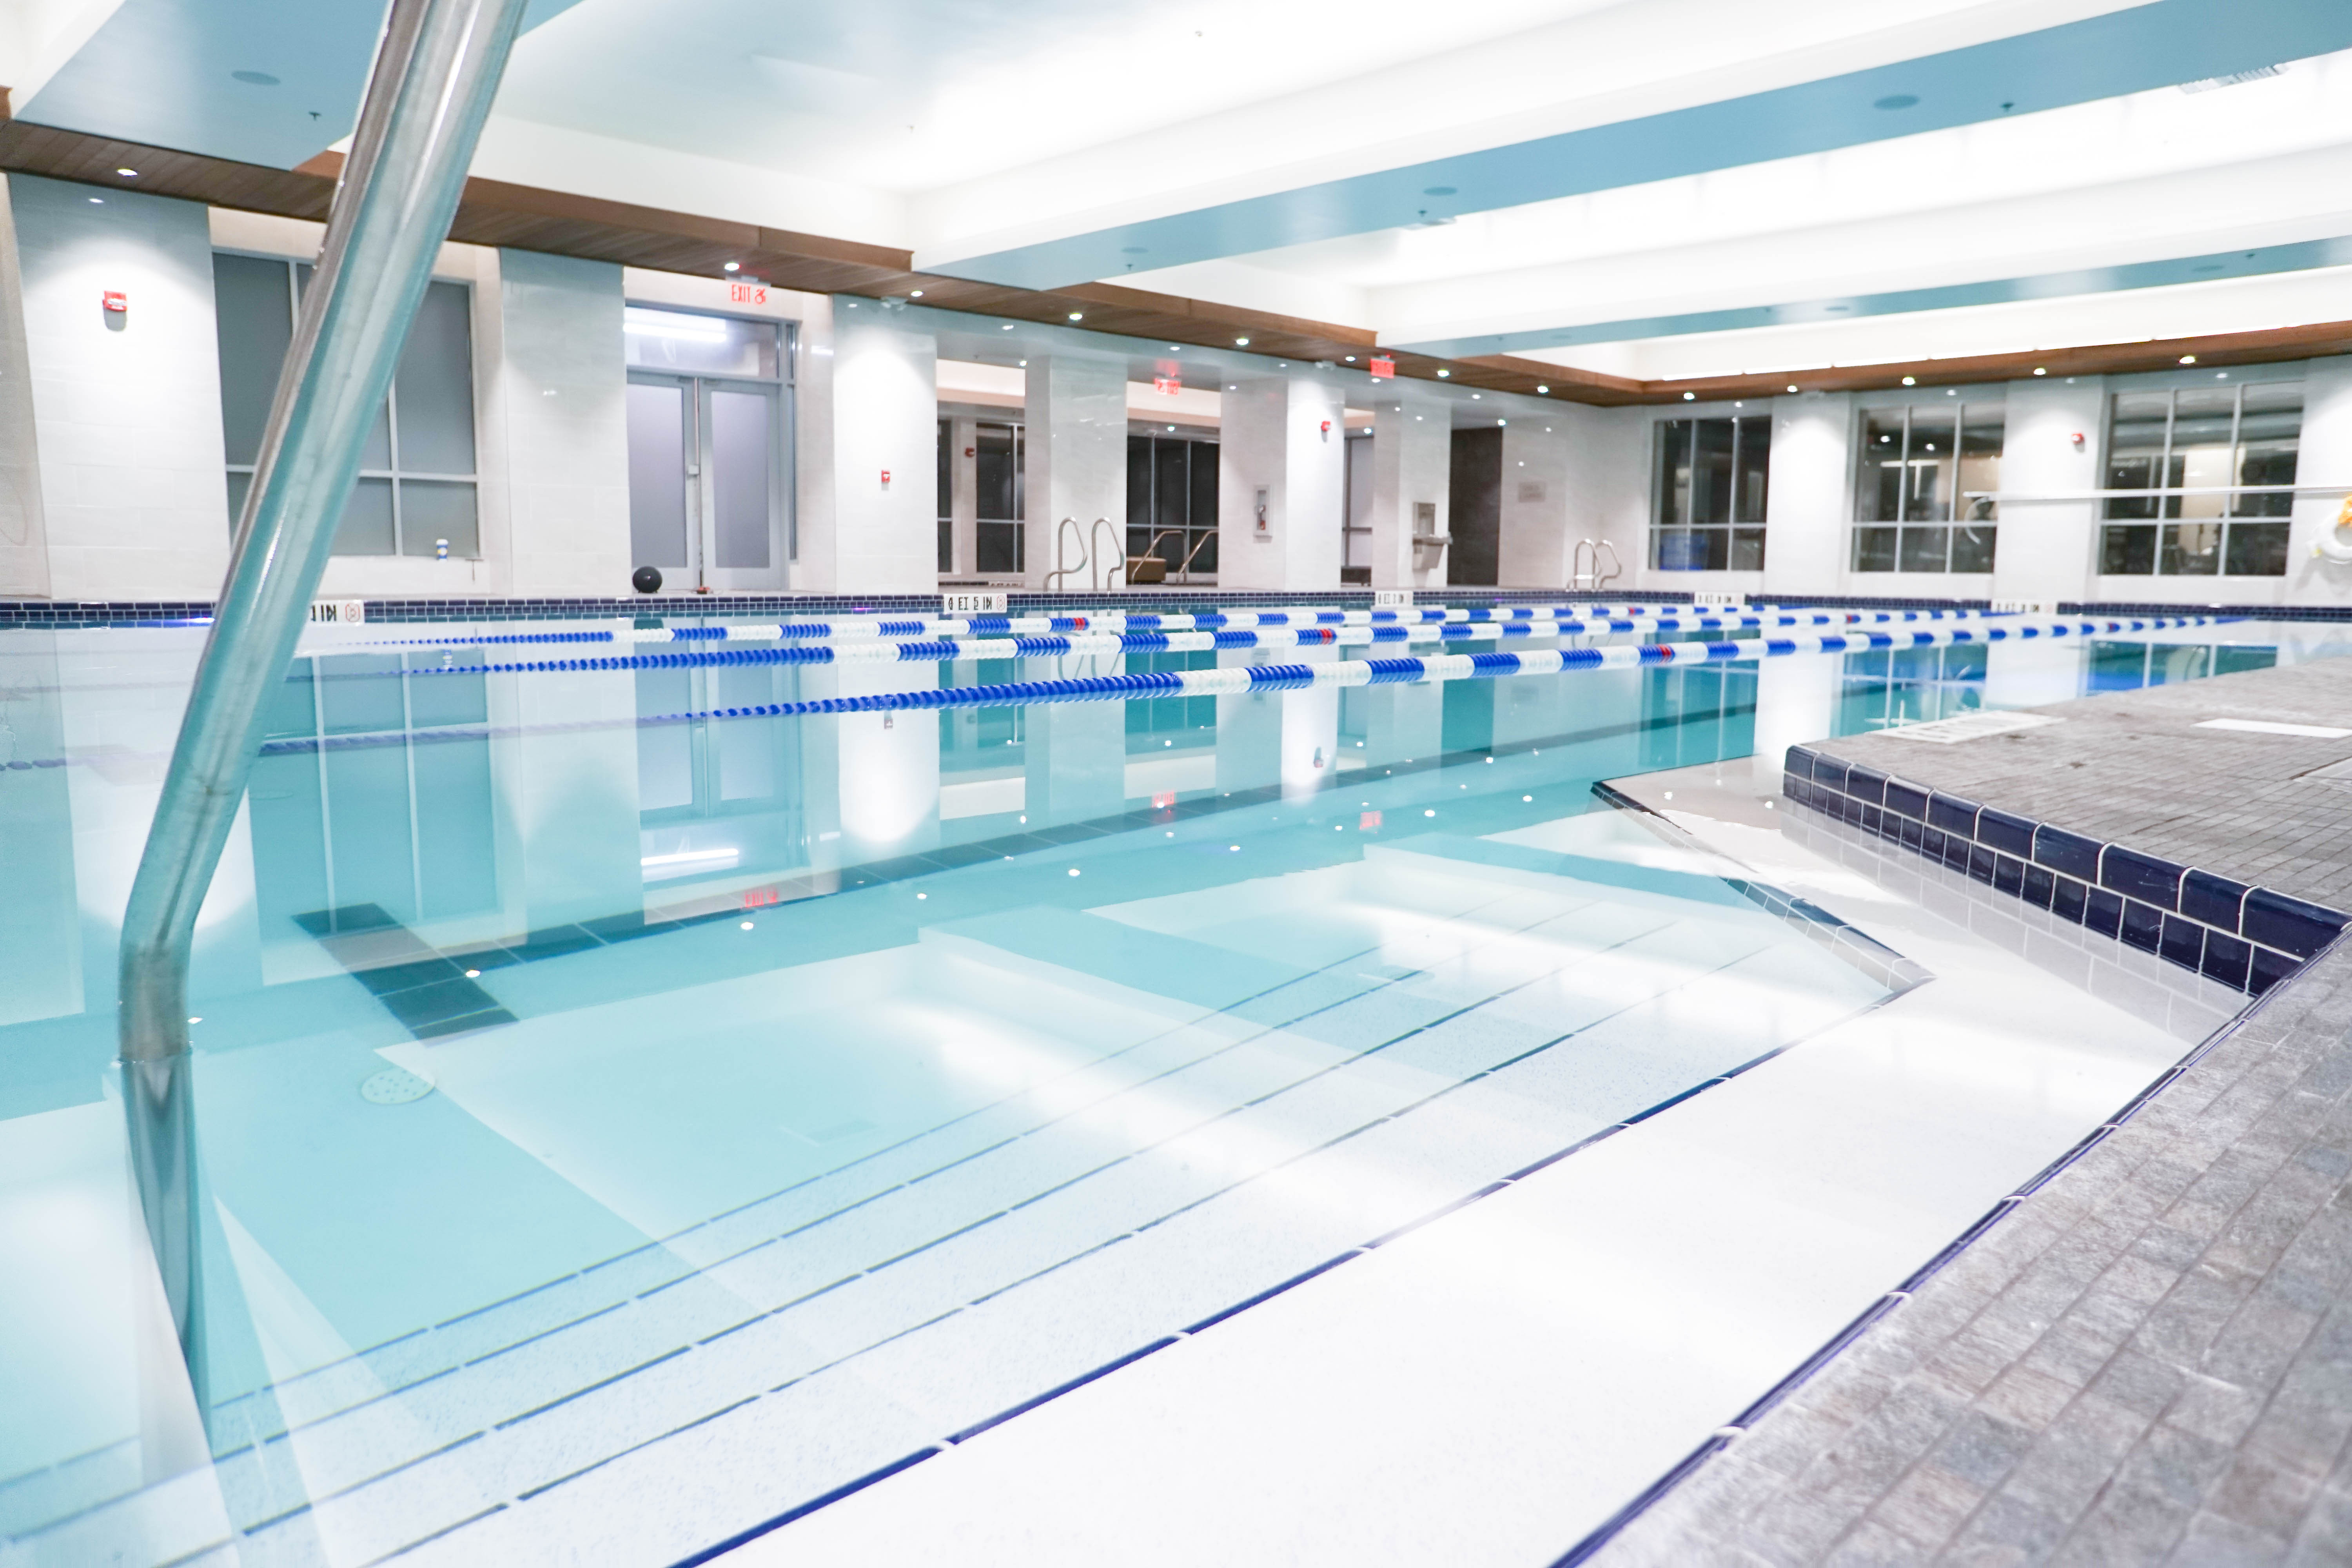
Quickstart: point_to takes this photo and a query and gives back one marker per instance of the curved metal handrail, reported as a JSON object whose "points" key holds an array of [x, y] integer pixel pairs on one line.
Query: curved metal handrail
{"points": [[1114, 566], [1060, 568], [437, 69], [1579, 579], [1186, 569], [1616, 565]]}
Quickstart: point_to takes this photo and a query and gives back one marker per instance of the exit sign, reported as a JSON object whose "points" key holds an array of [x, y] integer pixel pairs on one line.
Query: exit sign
{"points": [[747, 293], [1167, 385], [1384, 366]]}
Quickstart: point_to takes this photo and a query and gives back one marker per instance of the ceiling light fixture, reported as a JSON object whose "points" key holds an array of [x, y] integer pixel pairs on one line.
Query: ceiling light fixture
{"points": [[1008, 326], [2188, 359], [128, 173], [1910, 380], [1690, 397], [1444, 373], [2041, 370], [914, 293], [1477, 396], [1792, 386], [1352, 359], [732, 267], [1077, 315], [1241, 343]]}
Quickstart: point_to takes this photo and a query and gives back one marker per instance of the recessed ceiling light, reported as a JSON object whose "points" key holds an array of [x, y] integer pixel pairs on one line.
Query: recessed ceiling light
{"points": [[1477, 396], [2188, 359], [1544, 391], [98, 201], [2040, 370], [1445, 373], [914, 293], [1077, 315], [1792, 386], [1241, 343], [1910, 380], [1024, 364], [128, 173], [1690, 397], [1171, 428], [1507, 422], [1352, 359], [733, 267], [1008, 326], [2220, 375]]}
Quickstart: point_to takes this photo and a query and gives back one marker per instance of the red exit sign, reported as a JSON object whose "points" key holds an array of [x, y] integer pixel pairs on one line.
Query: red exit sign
{"points": [[747, 293], [1384, 366]]}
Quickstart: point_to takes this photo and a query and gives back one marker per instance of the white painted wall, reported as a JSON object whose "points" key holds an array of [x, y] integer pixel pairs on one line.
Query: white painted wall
{"points": [[1287, 436], [1412, 454], [1074, 468], [126, 406]]}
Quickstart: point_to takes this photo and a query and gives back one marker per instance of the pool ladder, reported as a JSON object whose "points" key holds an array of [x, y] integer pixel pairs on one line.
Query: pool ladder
{"points": [[1089, 556], [1594, 579]]}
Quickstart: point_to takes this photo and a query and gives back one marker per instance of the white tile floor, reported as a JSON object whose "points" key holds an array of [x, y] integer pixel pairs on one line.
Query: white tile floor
{"points": [[1492, 1386]]}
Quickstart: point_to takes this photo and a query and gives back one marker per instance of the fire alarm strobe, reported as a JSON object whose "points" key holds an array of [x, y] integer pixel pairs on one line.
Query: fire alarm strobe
{"points": [[886, 476], [115, 300]]}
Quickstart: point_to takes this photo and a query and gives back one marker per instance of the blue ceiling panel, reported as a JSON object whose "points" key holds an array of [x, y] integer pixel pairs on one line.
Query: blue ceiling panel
{"points": [[259, 81], [2151, 45], [2261, 262]]}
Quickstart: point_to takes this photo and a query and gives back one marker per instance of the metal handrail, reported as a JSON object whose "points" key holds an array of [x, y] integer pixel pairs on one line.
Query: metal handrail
{"points": [[1616, 565], [437, 69], [1185, 570], [1061, 570], [1114, 566]]}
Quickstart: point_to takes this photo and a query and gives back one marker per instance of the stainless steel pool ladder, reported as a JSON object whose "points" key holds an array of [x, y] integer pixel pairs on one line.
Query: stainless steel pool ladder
{"points": [[1578, 578], [437, 67], [1114, 564]]}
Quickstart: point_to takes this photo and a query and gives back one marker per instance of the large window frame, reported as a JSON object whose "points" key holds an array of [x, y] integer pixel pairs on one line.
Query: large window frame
{"points": [[1710, 488], [1922, 473], [2179, 523], [415, 532], [1171, 501], [652, 359]]}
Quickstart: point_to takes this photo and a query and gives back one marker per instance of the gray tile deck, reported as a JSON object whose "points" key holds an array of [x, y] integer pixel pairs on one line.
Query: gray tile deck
{"points": [[2150, 1360], [2132, 768]]}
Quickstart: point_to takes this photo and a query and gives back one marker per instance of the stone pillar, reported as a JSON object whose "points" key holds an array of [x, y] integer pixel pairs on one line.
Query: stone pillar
{"points": [[24, 541], [561, 424], [881, 534], [1282, 453], [1075, 467], [963, 495], [1411, 448], [1806, 521], [1535, 541], [2325, 460], [126, 404], [2048, 551]]}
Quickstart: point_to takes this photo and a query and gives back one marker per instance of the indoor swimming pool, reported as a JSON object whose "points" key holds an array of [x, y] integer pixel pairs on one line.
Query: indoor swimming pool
{"points": [[654, 1084]]}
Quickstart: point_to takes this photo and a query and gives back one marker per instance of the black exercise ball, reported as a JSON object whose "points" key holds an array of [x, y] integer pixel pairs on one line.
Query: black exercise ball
{"points": [[647, 580]]}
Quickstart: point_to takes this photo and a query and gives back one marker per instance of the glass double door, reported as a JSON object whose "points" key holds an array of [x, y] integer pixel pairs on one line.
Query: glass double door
{"points": [[706, 483]]}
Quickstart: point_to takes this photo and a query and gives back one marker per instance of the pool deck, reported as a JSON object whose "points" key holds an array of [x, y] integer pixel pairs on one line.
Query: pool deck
{"points": [[2149, 1360]]}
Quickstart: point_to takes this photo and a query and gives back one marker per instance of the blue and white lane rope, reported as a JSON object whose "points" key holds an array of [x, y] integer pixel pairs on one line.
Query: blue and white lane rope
{"points": [[943, 650], [1238, 679], [1431, 621]]}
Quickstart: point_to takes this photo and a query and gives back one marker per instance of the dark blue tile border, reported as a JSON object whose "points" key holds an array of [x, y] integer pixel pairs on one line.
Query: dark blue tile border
{"points": [[2248, 938]]}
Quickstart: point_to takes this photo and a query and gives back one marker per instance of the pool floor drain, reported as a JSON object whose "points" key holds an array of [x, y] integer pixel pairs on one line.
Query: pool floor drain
{"points": [[395, 1086]]}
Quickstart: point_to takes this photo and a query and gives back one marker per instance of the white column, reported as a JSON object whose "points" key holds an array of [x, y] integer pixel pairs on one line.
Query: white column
{"points": [[963, 495], [561, 420], [1282, 475], [1412, 452], [884, 525], [1075, 467], [2325, 460], [126, 404], [23, 540], [1534, 543], [2048, 551], [1806, 506]]}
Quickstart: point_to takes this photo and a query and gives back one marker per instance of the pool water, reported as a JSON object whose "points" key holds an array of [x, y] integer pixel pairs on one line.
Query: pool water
{"points": [[770, 1101]]}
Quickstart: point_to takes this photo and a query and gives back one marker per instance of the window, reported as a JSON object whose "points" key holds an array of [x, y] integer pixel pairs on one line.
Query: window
{"points": [[946, 495], [2178, 458], [1712, 475], [416, 483], [1921, 478], [997, 461], [1171, 504]]}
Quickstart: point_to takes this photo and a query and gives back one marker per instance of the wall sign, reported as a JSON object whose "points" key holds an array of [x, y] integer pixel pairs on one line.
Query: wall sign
{"points": [[1383, 367], [114, 302], [1391, 599], [747, 293], [974, 603], [338, 612]]}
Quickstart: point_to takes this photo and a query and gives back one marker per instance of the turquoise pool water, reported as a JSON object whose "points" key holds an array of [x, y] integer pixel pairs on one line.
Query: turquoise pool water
{"points": [[762, 1101]]}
